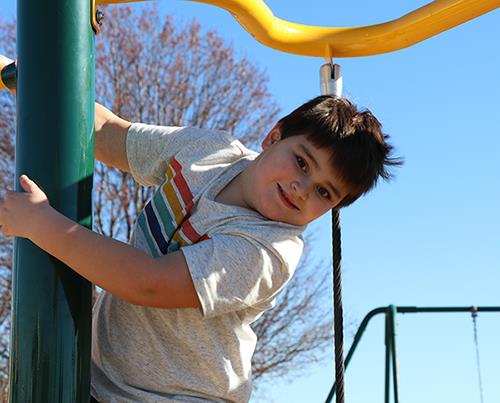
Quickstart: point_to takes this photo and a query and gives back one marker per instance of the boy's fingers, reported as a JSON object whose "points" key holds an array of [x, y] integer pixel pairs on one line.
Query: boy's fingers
{"points": [[23, 182], [27, 184]]}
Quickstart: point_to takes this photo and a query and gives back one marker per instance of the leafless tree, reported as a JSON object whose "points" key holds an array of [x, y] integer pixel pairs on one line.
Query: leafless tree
{"points": [[150, 69], [7, 167]]}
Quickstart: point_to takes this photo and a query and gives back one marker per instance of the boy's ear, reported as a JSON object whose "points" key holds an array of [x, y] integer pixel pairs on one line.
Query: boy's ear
{"points": [[272, 137]]}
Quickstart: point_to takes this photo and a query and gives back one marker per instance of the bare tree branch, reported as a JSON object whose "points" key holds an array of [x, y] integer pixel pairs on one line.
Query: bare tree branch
{"points": [[7, 171]]}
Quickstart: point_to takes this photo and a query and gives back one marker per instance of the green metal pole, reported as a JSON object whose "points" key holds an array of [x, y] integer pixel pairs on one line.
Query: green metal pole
{"points": [[387, 356], [441, 309], [357, 338], [394, 353], [50, 342]]}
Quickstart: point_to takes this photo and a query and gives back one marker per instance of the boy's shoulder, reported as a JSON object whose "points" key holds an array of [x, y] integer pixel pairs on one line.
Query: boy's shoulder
{"points": [[211, 145], [189, 141], [150, 148]]}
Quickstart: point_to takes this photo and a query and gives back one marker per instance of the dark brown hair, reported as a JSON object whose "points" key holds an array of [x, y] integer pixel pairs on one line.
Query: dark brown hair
{"points": [[359, 149]]}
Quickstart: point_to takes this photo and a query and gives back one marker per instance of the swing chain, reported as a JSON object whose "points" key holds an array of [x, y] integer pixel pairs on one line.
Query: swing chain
{"points": [[473, 312]]}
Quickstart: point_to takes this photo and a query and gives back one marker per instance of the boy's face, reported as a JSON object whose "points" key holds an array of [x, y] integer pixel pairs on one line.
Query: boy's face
{"points": [[292, 181]]}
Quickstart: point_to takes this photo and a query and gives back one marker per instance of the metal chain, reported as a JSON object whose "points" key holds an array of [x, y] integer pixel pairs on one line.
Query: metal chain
{"points": [[337, 308], [478, 363]]}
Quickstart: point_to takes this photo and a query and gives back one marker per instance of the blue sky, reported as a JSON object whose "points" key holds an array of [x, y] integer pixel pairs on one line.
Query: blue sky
{"points": [[430, 238]]}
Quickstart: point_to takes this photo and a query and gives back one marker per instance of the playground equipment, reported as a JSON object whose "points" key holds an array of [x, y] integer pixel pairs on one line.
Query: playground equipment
{"points": [[427, 21], [391, 356], [8, 77], [51, 306]]}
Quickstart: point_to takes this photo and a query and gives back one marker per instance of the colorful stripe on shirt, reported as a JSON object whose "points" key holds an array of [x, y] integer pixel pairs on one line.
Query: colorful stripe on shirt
{"points": [[166, 215]]}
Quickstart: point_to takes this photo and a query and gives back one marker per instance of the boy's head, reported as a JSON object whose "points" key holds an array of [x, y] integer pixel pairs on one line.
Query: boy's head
{"points": [[324, 154], [359, 151]]}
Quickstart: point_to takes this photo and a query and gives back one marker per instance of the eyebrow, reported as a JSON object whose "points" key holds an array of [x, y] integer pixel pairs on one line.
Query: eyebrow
{"points": [[311, 157]]}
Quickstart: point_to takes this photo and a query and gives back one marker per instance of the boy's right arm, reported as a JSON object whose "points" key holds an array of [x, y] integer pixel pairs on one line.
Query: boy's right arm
{"points": [[111, 138]]}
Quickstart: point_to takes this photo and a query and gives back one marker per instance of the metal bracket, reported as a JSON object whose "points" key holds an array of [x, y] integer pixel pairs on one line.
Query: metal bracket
{"points": [[96, 16], [8, 77], [331, 79]]}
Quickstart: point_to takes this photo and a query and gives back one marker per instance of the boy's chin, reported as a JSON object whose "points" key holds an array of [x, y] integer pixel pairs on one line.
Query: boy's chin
{"points": [[299, 221], [291, 221]]}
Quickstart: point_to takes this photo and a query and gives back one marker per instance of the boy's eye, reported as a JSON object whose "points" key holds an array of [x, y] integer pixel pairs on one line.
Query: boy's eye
{"points": [[301, 163], [324, 193]]}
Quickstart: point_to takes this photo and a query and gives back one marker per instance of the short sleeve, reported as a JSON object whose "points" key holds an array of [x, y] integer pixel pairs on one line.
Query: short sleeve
{"points": [[150, 149], [232, 273]]}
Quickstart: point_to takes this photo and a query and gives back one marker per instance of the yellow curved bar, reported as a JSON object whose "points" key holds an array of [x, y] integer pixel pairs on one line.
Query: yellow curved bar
{"points": [[414, 27]]}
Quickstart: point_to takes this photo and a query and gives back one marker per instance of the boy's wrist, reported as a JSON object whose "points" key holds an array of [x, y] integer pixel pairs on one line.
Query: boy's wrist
{"points": [[46, 218]]}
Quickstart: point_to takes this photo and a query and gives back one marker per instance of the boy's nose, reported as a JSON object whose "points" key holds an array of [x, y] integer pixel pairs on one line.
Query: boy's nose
{"points": [[300, 189]]}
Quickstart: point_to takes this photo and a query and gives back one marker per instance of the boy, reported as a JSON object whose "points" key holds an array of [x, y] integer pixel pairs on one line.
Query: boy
{"points": [[211, 250]]}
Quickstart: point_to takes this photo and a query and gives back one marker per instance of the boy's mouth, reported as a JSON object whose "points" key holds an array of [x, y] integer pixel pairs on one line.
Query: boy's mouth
{"points": [[286, 201]]}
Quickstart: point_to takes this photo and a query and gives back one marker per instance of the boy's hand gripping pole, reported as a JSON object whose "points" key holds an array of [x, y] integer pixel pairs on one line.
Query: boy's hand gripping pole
{"points": [[8, 74]]}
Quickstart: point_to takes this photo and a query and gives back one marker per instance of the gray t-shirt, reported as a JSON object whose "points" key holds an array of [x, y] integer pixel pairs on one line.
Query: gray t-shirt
{"points": [[238, 260]]}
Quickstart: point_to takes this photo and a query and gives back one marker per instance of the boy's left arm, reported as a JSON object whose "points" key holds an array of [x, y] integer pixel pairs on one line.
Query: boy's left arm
{"points": [[119, 268]]}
